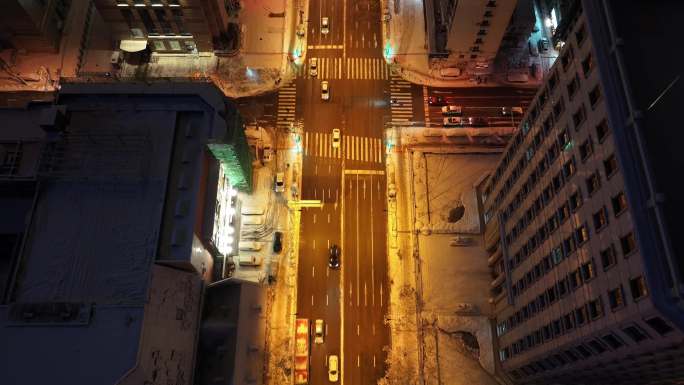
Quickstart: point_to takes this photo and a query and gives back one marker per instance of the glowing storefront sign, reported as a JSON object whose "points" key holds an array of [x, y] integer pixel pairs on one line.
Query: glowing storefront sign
{"points": [[223, 234]]}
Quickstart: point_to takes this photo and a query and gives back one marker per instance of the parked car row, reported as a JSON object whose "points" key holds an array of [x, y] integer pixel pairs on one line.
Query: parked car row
{"points": [[471, 121]]}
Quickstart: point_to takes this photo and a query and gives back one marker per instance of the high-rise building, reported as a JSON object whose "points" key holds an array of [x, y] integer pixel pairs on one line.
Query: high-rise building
{"points": [[116, 209], [470, 32], [179, 26], [584, 207], [35, 26]]}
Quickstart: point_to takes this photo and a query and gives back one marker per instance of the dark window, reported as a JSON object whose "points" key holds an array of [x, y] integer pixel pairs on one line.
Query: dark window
{"points": [[628, 243], [586, 149], [608, 257], [583, 350], [587, 65], [557, 255], [546, 332], [580, 35], [541, 302], [660, 326], [619, 203], [482, 32], [575, 279], [638, 287], [147, 21], [600, 219], [563, 287], [593, 182], [563, 212], [597, 346], [636, 333], [582, 234], [595, 308], [558, 109], [567, 56], [560, 359], [572, 356], [616, 298], [569, 245], [557, 327], [602, 130], [553, 81], [581, 316], [594, 96], [575, 200], [551, 294], [552, 224], [587, 271], [569, 321], [573, 86], [579, 117], [613, 341], [610, 164]]}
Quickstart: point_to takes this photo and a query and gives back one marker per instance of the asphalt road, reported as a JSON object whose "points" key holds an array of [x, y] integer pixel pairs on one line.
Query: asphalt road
{"points": [[350, 180]]}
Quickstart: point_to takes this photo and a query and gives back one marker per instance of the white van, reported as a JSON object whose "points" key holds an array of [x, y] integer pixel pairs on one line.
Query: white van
{"points": [[250, 260], [249, 246]]}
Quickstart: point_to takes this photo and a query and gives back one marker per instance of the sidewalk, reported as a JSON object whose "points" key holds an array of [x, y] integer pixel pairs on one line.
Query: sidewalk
{"points": [[406, 48]]}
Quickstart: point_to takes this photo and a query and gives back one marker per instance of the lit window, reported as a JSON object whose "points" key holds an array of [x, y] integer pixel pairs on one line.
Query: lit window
{"points": [[628, 243], [610, 164], [638, 287], [600, 219], [608, 257], [616, 298], [587, 270]]}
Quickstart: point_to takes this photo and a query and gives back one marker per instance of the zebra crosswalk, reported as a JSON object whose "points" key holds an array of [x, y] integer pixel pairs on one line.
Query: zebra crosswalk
{"points": [[360, 148], [287, 102], [401, 104], [346, 68]]}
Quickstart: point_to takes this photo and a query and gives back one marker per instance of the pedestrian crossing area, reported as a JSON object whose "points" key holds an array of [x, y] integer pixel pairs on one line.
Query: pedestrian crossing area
{"points": [[287, 101], [357, 68], [359, 148], [401, 102]]}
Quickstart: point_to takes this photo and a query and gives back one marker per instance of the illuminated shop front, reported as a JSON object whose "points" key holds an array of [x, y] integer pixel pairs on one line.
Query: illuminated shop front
{"points": [[223, 234]]}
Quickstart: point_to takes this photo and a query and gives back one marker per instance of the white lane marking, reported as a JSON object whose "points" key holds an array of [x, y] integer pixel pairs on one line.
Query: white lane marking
{"points": [[326, 304], [328, 217], [314, 244], [311, 299], [314, 219], [380, 294], [358, 330], [373, 360], [373, 329], [313, 271], [328, 244], [358, 361], [365, 294], [316, 170]]}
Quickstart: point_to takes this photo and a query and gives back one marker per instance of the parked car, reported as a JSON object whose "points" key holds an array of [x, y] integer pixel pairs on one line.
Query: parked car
{"points": [[280, 182], [325, 25], [318, 331], [313, 67], [336, 137], [333, 368], [334, 256], [277, 242], [453, 121], [476, 121], [436, 100], [325, 90], [452, 110]]}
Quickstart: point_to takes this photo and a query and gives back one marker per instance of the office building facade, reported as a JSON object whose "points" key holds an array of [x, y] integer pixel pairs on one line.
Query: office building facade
{"points": [[35, 26], [581, 212]]}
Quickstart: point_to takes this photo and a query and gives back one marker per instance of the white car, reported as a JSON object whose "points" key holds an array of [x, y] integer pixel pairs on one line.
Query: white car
{"points": [[319, 331], [313, 67], [453, 121], [336, 137], [333, 368], [452, 110], [325, 25], [325, 90]]}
